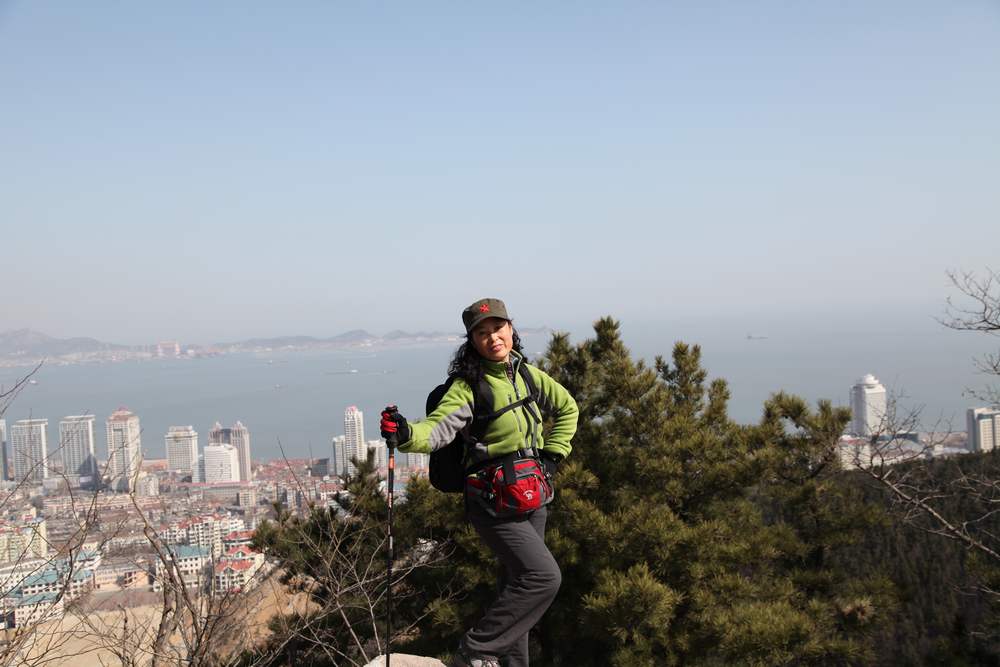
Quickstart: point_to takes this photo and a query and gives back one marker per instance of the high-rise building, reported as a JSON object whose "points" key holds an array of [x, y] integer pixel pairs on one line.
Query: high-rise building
{"points": [[124, 450], [868, 407], [239, 437], [182, 449], [338, 461], [983, 426], [218, 435], [354, 438], [29, 440], [319, 468], [4, 454], [76, 442], [241, 441], [222, 464]]}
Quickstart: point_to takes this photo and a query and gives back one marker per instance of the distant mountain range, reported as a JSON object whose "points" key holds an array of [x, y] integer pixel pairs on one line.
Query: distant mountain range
{"points": [[353, 337], [25, 345], [29, 343]]}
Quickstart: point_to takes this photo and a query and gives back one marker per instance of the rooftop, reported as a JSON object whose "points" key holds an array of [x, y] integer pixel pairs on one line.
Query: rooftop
{"points": [[241, 550], [236, 565], [38, 598], [188, 551]]}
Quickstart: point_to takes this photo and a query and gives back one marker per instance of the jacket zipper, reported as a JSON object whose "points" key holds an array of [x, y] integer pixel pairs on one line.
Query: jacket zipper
{"points": [[510, 400], [514, 412]]}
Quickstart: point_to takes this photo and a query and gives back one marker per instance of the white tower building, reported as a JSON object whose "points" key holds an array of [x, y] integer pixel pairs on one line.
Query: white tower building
{"points": [[182, 449], [29, 440], [354, 438], [983, 426], [868, 406], [76, 441], [124, 448], [222, 464]]}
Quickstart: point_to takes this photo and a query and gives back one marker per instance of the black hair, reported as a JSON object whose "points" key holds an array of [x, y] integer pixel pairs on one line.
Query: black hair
{"points": [[466, 363]]}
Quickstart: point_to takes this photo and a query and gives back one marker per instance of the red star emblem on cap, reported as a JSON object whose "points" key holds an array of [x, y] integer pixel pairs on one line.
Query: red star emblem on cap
{"points": [[485, 308]]}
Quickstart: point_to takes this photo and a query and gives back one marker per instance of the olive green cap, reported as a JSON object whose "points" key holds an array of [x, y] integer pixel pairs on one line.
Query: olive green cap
{"points": [[483, 310]]}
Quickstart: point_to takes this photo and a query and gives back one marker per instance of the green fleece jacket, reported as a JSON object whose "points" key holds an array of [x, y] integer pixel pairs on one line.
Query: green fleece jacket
{"points": [[513, 430]]}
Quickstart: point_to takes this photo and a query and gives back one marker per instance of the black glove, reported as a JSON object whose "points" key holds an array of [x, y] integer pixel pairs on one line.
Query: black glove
{"points": [[551, 462], [393, 426]]}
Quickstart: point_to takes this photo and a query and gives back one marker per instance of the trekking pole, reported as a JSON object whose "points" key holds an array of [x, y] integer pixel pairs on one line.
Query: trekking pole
{"points": [[391, 443]]}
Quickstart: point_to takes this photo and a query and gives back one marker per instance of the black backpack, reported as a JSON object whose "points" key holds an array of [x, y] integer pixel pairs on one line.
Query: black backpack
{"points": [[447, 465]]}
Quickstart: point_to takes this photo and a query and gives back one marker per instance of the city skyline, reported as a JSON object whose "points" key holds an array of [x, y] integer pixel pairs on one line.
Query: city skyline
{"points": [[224, 463], [229, 459]]}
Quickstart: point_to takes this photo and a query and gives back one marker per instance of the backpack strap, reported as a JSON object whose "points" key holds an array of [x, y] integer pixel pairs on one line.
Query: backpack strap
{"points": [[532, 407], [530, 401], [533, 393], [482, 406], [509, 477]]}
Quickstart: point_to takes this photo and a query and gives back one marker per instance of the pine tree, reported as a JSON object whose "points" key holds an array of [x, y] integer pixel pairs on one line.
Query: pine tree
{"points": [[685, 538]]}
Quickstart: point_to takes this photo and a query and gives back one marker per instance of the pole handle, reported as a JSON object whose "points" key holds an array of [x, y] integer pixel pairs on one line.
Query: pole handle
{"points": [[393, 440]]}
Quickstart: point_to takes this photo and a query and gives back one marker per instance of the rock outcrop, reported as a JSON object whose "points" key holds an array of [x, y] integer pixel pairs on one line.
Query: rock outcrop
{"points": [[403, 660]]}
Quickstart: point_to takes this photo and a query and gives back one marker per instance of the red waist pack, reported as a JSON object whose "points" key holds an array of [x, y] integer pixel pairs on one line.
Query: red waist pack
{"points": [[514, 487]]}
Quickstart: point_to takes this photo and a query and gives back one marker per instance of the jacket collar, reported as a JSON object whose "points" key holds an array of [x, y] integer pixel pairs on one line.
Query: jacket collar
{"points": [[500, 367]]}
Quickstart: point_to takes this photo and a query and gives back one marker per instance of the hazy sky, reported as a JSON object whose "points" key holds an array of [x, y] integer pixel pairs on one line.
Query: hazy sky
{"points": [[210, 171]]}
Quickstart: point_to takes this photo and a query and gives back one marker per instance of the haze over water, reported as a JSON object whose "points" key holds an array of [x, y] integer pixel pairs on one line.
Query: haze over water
{"points": [[298, 398]]}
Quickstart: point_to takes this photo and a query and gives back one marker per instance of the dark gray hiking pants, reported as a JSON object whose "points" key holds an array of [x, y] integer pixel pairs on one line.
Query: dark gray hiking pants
{"points": [[529, 582]]}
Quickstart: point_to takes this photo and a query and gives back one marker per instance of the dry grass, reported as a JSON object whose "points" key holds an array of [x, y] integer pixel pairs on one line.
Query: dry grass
{"points": [[93, 629]]}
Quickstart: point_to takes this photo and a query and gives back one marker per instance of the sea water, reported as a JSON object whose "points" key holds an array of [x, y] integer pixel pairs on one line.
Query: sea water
{"points": [[293, 402]]}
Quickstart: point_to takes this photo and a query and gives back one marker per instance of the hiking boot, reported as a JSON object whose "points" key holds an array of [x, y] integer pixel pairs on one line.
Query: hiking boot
{"points": [[465, 658]]}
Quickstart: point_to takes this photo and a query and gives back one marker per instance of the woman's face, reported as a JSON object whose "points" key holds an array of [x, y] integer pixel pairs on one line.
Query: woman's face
{"points": [[493, 338]]}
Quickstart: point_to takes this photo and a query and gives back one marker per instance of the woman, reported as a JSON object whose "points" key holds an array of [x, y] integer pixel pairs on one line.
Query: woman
{"points": [[491, 359]]}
